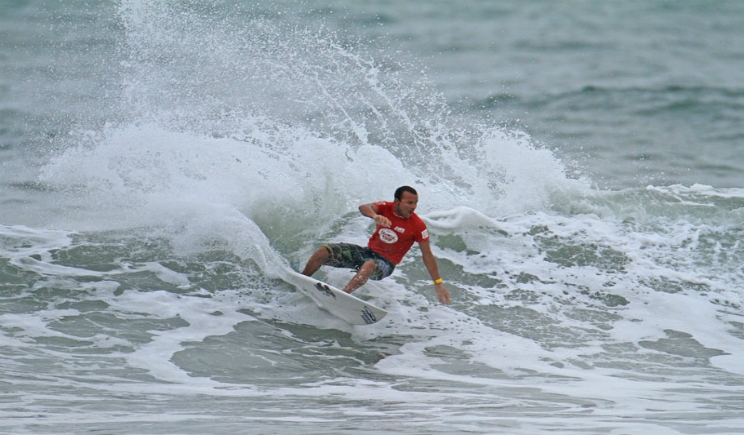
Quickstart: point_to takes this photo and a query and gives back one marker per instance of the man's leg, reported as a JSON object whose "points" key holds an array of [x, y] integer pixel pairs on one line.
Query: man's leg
{"points": [[362, 276], [316, 260]]}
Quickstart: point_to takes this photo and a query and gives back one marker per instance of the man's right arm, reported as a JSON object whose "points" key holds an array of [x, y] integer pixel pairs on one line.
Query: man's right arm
{"points": [[370, 210]]}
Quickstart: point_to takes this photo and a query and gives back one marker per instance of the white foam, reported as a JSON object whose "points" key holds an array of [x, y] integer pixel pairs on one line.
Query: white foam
{"points": [[241, 170]]}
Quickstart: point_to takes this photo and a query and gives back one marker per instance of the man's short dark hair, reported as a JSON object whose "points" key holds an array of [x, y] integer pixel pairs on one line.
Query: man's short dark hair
{"points": [[399, 191]]}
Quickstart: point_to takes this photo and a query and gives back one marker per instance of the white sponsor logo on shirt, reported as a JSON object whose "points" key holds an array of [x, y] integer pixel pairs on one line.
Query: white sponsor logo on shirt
{"points": [[388, 236]]}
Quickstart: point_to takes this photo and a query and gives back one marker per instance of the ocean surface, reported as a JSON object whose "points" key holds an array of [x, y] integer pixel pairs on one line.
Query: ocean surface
{"points": [[579, 165]]}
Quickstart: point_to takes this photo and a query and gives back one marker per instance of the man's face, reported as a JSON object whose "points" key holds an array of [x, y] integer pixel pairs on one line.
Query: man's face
{"points": [[406, 204]]}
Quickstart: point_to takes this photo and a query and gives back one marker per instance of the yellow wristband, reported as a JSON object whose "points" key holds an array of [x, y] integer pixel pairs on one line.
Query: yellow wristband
{"points": [[438, 281]]}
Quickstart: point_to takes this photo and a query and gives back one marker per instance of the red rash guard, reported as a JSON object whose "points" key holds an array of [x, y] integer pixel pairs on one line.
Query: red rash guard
{"points": [[393, 243]]}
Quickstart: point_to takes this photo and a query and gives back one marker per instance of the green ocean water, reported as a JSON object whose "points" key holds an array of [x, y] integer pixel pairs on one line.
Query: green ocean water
{"points": [[162, 163]]}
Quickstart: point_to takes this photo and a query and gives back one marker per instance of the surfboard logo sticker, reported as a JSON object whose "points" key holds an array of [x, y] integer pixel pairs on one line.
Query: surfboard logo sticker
{"points": [[368, 316], [325, 290]]}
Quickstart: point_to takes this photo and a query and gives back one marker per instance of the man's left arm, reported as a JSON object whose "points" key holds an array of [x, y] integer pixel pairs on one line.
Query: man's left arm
{"points": [[431, 265]]}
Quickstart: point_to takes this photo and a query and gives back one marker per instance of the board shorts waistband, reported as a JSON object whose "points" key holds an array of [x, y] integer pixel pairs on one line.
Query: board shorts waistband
{"points": [[352, 256]]}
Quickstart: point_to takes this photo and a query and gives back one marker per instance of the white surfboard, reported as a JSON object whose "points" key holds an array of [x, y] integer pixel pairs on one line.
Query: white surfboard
{"points": [[335, 301]]}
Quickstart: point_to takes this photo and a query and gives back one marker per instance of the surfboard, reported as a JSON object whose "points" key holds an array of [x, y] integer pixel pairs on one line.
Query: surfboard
{"points": [[337, 302]]}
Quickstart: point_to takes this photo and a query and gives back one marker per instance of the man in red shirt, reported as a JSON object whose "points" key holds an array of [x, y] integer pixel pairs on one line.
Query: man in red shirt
{"points": [[397, 228]]}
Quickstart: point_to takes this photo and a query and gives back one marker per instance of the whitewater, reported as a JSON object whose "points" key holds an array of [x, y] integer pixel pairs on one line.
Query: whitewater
{"points": [[164, 163]]}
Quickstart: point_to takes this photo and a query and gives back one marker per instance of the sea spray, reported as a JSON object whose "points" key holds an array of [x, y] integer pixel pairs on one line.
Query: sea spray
{"points": [[143, 291]]}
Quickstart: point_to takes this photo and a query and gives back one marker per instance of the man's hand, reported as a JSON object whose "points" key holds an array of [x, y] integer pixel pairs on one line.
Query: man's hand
{"points": [[370, 210], [442, 293], [382, 221]]}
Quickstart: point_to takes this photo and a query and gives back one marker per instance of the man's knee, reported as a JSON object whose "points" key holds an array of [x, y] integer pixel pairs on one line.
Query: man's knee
{"points": [[370, 263], [368, 267], [323, 252], [319, 258]]}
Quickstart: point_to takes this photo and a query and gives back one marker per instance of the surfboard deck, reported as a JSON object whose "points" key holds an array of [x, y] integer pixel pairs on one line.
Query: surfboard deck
{"points": [[337, 302]]}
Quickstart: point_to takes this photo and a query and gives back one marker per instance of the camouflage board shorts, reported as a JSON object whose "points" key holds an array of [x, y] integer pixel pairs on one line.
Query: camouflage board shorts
{"points": [[353, 256]]}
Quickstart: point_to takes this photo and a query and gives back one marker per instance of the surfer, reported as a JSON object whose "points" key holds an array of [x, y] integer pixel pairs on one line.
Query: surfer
{"points": [[397, 228]]}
